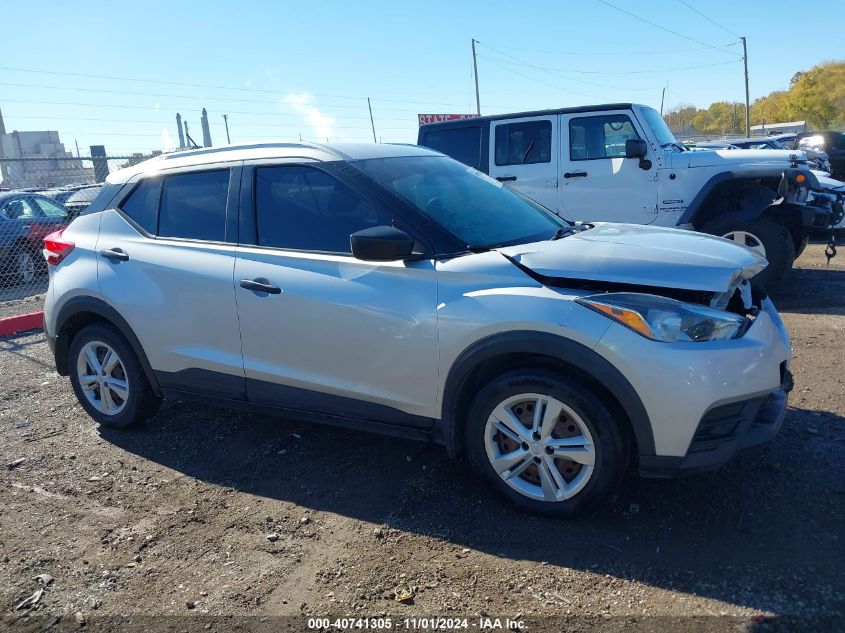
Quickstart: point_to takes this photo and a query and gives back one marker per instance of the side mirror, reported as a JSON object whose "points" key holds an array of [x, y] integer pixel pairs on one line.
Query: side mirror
{"points": [[381, 244], [635, 148]]}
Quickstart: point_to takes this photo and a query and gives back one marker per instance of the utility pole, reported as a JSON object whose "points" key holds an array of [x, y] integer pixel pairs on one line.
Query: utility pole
{"points": [[475, 72], [226, 121], [747, 99], [662, 97], [370, 106]]}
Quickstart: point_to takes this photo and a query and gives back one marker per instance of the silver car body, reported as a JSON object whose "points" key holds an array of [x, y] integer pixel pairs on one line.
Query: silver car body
{"points": [[389, 334]]}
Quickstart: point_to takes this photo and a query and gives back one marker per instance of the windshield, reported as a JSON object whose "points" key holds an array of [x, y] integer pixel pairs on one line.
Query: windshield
{"points": [[476, 209], [659, 128]]}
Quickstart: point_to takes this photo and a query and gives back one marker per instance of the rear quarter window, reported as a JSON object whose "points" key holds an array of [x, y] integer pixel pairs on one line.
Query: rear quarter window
{"points": [[142, 204]]}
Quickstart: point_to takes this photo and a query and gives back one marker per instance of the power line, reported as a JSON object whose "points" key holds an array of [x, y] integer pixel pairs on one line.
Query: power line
{"points": [[590, 83], [711, 20], [212, 86], [169, 96], [147, 108], [658, 26], [629, 72], [615, 54], [12, 115], [540, 81]]}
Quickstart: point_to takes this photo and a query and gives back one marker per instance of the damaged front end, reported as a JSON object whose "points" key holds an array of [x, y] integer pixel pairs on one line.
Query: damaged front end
{"points": [[671, 314]]}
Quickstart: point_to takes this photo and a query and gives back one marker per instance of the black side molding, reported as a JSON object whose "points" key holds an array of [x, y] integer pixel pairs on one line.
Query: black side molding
{"points": [[584, 359]]}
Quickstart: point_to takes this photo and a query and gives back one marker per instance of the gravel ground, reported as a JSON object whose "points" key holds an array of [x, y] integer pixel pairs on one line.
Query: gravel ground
{"points": [[14, 301], [203, 512]]}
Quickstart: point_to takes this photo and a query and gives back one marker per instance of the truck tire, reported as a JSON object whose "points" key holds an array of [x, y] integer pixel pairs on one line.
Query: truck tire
{"points": [[799, 248], [767, 235]]}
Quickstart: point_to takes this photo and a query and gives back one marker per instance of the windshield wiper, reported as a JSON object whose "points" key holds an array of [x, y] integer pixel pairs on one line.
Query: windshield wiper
{"points": [[528, 151], [561, 232], [676, 144]]}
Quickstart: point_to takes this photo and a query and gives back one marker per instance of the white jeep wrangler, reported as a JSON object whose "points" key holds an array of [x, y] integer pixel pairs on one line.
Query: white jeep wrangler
{"points": [[621, 163]]}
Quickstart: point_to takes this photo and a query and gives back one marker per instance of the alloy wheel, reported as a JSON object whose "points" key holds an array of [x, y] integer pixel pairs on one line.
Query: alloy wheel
{"points": [[744, 238], [540, 447], [102, 377], [26, 267]]}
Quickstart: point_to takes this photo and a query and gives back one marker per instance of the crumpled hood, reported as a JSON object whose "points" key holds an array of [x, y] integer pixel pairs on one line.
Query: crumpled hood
{"points": [[776, 158], [643, 256], [828, 183]]}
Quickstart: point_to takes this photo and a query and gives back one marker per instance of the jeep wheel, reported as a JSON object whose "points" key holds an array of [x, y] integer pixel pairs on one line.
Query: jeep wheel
{"points": [[545, 442], [767, 236]]}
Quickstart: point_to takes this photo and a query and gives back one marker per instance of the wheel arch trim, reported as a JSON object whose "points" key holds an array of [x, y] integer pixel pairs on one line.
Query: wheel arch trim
{"points": [[552, 346], [79, 305], [696, 207]]}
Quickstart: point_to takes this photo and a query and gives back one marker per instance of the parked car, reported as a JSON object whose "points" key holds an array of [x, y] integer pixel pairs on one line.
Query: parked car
{"points": [[25, 219], [818, 159], [79, 200], [833, 143], [787, 140], [390, 288], [621, 163]]}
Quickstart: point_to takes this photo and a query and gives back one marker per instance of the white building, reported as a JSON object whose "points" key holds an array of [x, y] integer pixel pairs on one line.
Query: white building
{"points": [[48, 164], [790, 127]]}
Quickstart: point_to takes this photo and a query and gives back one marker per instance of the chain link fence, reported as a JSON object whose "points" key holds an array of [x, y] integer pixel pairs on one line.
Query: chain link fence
{"points": [[40, 195]]}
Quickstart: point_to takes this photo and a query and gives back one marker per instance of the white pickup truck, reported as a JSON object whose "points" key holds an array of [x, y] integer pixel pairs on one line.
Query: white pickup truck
{"points": [[621, 163]]}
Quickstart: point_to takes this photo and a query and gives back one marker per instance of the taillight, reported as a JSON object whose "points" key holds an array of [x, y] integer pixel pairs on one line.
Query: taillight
{"points": [[56, 248]]}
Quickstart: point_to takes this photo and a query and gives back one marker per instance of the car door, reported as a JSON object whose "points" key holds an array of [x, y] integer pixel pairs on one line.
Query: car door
{"points": [[166, 258], [597, 182], [523, 154], [321, 330]]}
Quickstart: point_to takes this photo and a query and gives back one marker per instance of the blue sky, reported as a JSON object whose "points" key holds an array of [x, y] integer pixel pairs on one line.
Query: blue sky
{"points": [[281, 69]]}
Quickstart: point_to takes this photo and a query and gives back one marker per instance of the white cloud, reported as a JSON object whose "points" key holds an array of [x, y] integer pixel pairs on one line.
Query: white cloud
{"points": [[156, 107], [247, 83], [303, 103], [166, 142]]}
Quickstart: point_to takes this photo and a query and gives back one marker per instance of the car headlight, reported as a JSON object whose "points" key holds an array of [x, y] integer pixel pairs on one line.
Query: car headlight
{"points": [[663, 319]]}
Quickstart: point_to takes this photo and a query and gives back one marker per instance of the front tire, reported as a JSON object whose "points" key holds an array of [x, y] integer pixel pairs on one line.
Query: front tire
{"points": [[108, 379], [766, 235], [545, 442]]}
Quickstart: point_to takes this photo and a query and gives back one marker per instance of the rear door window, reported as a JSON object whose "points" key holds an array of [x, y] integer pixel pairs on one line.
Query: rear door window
{"points": [[462, 143], [193, 205], [524, 143]]}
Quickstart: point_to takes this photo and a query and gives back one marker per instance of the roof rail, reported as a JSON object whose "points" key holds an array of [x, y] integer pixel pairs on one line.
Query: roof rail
{"points": [[230, 148]]}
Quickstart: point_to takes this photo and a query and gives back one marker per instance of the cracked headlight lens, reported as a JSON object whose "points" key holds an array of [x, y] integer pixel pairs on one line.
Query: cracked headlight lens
{"points": [[663, 319]]}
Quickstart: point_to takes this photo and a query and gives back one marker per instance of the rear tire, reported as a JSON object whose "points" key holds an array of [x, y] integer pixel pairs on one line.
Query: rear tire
{"points": [[573, 433], [770, 233], [108, 379]]}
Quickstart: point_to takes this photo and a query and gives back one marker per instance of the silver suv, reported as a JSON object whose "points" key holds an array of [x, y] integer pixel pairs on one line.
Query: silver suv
{"points": [[392, 289]]}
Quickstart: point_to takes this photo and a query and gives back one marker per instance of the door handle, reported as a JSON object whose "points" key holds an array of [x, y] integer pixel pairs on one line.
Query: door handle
{"points": [[116, 254], [505, 178], [260, 285], [575, 174]]}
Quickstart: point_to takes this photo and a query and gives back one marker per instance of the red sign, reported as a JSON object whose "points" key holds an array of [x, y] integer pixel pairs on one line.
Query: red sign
{"points": [[437, 118]]}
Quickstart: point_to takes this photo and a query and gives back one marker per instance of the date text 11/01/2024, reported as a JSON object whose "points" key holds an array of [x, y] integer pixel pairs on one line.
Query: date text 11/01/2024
{"points": [[416, 624]]}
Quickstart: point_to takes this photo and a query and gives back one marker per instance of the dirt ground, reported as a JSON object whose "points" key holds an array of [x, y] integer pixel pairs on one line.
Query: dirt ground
{"points": [[203, 512]]}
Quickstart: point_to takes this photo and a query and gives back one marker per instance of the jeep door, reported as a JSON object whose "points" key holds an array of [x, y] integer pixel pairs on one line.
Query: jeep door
{"points": [[321, 330], [523, 154], [597, 182], [165, 260]]}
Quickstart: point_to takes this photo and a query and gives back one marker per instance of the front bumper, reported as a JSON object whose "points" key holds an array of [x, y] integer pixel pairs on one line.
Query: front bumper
{"points": [[724, 431]]}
